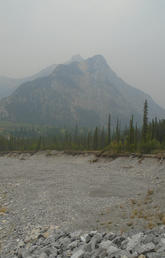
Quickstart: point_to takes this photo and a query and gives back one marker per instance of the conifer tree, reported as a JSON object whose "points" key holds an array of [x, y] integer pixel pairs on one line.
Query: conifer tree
{"points": [[136, 136], [89, 140], [145, 122], [102, 138], [117, 131], [131, 132], [109, 129], [76, 134], [95, 139]]}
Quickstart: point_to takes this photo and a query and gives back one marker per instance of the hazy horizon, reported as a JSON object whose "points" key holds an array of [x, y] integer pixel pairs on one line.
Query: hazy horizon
{"points": [[129, 34]]}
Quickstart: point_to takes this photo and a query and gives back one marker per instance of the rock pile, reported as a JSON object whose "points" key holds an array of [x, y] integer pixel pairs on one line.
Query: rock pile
{"points": [[42, 244]]}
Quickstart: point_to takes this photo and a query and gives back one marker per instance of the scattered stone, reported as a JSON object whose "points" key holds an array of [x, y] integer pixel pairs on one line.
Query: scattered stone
{"points": [[93, 245], [78, 254], [143, 249], [112, 250], [105, 244], [134, 241], [43, 255], [73, 244], [85, 238]]}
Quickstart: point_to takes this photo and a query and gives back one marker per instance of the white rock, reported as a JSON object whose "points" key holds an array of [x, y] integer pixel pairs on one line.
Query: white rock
{"points": [[112, 250], [163, 241], [134, 241], [105, 244], [85, 238], [43, 255], [78, 254], [146, 248]]}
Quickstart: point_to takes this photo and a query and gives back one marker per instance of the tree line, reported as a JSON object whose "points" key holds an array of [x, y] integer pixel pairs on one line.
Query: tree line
{"points": [[147, 139]]}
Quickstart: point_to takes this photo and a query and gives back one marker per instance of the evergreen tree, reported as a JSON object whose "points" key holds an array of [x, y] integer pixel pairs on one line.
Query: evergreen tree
{"points": [[109, 129], [145, 122], [102, 138], [95, 139], [117, 131], [76, 134], [136, 136], [131, 132]]}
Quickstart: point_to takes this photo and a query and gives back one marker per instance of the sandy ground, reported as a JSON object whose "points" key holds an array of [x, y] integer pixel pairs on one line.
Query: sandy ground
{"points": [[73, 193]]}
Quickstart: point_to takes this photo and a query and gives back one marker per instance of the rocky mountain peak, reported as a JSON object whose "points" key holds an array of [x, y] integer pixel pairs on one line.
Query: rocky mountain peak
{"points": [[75, 58], [98, 60]]}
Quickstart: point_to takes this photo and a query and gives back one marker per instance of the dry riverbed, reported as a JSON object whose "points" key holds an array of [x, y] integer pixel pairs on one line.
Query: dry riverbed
{"points": [[76, 193]]}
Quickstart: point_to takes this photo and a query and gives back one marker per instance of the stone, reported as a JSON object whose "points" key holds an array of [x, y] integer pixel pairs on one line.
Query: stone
{"points": [[148, 238], [87, 255], [24, 253], [161, 249], [78, 254], [73, 244], [155, 255], [112, 250], [105, 244], [143, 249], [64, 242], [75, 235], [118, 241], [134, 241], [21, 244], [92, 233], [85, 238], [162, 240], [110, 236], [95, 240], [88, 247], [43, 255], [99, 253], [103, 254]]}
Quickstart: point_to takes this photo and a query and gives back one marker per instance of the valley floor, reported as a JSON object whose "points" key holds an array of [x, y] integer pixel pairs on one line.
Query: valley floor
{"points": [[76, 193]]}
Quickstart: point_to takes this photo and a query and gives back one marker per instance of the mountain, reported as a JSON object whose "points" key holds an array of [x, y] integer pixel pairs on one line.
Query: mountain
{"points": [[75, 58], [80, 91], [8, 85]]}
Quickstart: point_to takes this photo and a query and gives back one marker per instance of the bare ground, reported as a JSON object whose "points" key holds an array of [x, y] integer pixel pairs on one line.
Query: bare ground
{"points": [[73, 193]]}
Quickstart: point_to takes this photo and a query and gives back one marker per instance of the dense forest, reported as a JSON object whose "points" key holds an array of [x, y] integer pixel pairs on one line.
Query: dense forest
{"points": [[147, 139]]}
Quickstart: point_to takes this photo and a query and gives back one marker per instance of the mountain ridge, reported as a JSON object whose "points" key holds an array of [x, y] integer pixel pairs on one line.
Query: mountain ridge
{"points": [[8, 85], [83, 91]]}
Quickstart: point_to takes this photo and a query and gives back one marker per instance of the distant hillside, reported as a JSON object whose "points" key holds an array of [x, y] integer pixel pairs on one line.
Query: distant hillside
{"points": [[80, 91], [8, 85]]}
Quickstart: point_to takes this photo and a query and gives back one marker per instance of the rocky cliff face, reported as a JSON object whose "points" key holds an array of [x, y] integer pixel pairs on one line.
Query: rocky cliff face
{"points": [[80, 91]]}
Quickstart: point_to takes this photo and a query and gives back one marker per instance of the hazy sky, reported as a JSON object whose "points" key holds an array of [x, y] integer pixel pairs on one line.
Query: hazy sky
{"points": [[129, 33]]}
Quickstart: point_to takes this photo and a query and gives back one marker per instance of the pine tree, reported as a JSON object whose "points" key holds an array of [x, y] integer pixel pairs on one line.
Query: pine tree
{"points": [[95, 139], [76, 134], [145, 122], [89, 140], [136, 136], [131, 132], [117, 131], [109, 129], [102, 138]]}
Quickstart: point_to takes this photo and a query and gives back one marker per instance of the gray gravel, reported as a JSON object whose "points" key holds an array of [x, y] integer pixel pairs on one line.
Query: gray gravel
{"points": [[67, 193]]}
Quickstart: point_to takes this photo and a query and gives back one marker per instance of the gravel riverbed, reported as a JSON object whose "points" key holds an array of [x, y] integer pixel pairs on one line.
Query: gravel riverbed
{"points": [[65, 206]]}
